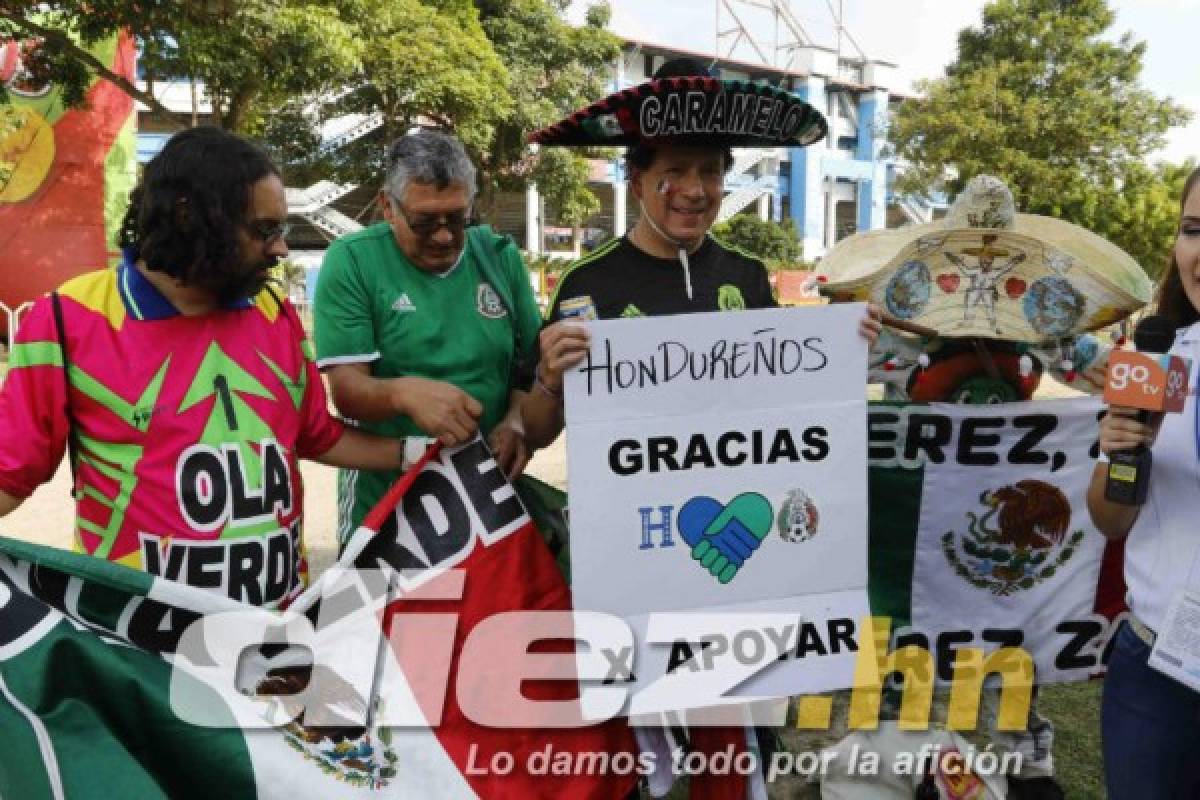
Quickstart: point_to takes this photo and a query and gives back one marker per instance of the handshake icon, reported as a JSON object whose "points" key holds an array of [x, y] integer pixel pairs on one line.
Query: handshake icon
{"points": [[723, 537]]}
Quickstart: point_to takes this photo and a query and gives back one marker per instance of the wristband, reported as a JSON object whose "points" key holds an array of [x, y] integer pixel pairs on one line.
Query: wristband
{"points": [[541, 385]]}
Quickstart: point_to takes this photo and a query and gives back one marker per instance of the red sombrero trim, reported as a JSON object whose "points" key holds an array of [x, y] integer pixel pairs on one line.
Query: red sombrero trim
{"points": [[939, 380]]}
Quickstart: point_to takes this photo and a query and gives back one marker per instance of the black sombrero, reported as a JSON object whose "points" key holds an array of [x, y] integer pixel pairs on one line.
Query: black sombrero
{"points": [[694, 109]]}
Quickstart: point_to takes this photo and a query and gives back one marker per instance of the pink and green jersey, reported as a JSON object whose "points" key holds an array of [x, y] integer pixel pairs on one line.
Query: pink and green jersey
{"points": [[189, 431]]}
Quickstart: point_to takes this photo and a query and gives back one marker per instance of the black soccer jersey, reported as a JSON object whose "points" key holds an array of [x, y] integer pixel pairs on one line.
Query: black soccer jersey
{"points": [[620, 280]]}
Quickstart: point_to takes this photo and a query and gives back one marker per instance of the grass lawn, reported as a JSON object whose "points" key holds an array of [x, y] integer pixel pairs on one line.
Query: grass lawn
{"points": [[1075, 710]]}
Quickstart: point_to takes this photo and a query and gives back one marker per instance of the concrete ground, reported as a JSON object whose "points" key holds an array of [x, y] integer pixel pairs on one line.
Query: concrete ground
{"points": [[46, 517]]}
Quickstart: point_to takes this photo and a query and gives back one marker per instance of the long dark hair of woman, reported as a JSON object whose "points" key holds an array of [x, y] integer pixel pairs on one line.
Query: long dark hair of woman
{"points": [[1173, 302]]}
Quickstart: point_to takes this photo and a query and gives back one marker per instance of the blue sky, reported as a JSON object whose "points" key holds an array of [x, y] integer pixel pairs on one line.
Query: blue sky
{"points": [[920, 37]]}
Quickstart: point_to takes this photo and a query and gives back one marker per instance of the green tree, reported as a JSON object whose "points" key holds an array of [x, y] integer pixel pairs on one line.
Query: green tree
{"points": [[1041, 96], [62, 30], [775, 243], [424, 63], [554, 68], [251, 55], [490, 71], [1142, 215], [561, 177]]}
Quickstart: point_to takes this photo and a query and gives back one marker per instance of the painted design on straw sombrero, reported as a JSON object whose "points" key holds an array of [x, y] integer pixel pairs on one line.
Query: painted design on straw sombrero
{"points": [[988, 271], [694, 110]]}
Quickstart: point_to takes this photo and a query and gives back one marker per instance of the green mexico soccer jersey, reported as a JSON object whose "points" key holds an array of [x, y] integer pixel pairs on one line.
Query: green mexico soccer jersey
{"points": [[373, 306]]}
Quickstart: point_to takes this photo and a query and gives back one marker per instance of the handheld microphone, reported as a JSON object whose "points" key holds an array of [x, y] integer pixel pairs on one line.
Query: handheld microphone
{"points": [[1152, 382]]}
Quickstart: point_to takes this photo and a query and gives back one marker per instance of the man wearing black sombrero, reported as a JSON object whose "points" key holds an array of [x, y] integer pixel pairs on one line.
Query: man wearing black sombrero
{"points": [[679, 129]]}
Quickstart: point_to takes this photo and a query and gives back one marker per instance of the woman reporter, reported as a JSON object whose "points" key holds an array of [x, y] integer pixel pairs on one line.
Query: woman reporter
{"points": [[1151, 722]]}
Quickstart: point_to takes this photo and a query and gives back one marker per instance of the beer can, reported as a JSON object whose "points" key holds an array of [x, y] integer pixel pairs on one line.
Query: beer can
{"points": [[580, 307]]}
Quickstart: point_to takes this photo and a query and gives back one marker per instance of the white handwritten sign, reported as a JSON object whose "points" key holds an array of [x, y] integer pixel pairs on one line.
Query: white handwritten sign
{"points": [[717, 464]]}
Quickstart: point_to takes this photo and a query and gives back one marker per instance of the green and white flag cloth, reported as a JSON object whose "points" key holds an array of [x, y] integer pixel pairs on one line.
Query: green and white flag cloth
{"points": [[980, 534], [84, 711], [115, 683]]}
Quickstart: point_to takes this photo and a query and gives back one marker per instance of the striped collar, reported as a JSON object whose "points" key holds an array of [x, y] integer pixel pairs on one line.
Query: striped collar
{"points": [[145, 302]]}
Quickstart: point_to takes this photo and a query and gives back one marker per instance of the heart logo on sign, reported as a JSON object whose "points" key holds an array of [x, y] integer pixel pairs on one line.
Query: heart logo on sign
{"points": [[723, 537], [1014, 287], [947, 283]]}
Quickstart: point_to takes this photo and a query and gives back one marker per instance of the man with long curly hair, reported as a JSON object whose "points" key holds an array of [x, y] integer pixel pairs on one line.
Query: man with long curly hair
{"points": [[182, 385]]}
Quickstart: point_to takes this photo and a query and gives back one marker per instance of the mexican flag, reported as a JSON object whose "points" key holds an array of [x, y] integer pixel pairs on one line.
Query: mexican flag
{"points": [[980, 535], [104, 691]]}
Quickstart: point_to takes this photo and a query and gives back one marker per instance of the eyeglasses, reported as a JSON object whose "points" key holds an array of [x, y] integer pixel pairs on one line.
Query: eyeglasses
{"points": [[426, 225], [268, 232]]}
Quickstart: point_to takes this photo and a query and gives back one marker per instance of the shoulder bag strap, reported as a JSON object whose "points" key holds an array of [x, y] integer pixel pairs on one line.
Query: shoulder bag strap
{"points": [[72, 428]]}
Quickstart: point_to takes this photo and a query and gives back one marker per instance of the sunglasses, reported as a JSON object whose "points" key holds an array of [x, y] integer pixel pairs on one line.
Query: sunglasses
{"points": [[426, 225], [267, 232]]}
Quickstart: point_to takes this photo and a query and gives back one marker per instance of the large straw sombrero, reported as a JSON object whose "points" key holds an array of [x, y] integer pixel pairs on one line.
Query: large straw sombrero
{"points": [[988, 271], [684, 104]]}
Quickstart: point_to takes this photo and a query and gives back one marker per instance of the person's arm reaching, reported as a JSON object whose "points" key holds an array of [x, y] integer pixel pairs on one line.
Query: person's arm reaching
{"points": [[441, 410], [359, 450], [507, 439], [8, 503], [871, 325], [33, 422]]}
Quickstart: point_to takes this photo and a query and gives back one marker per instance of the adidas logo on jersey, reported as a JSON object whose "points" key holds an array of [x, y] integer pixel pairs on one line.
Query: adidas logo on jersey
{"points": [[403, 304]]}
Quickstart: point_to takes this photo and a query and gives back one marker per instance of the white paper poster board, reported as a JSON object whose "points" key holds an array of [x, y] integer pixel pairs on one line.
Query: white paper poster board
{"points": [[717, 467]]}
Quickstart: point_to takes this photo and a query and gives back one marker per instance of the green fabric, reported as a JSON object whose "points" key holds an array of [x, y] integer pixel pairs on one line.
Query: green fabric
{"points": [[547, 507], [106, 720], [35, 354], [454, 327], [893, 516]]}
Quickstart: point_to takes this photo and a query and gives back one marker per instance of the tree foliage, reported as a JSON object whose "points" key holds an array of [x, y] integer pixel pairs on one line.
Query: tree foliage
{"points": [[775, 243], [423, 63], [554, 68], [251, 55], [561, 177], [1042, 96], [1142, 216], [490, 71]]}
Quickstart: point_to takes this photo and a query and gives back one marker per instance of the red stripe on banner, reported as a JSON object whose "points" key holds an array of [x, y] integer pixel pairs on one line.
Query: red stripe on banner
{"points": [[711, 741], [387, 504], [515, 572], [1110, 586]]}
